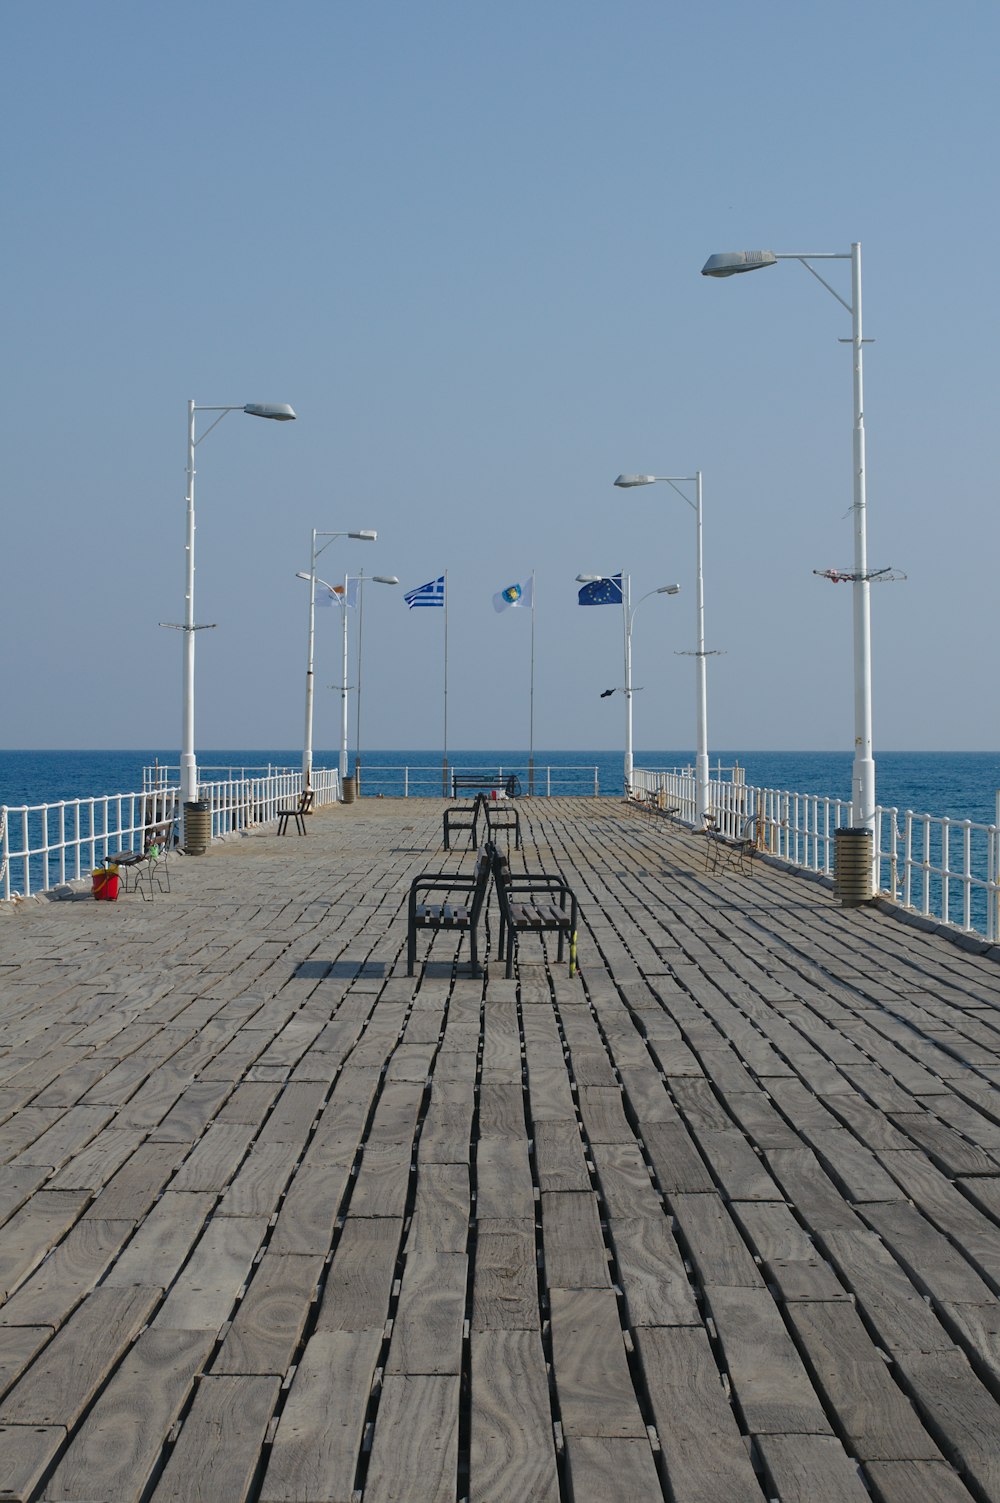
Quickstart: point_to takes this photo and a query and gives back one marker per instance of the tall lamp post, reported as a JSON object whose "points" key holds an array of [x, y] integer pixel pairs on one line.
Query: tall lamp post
{"points": [[278, 412], [340, 594], [307, 743], [628, 614], [625, 482], [731, 263]]}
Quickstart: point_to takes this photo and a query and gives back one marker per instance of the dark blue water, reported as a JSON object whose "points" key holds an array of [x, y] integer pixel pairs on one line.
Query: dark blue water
{"points": [[961, 785]]}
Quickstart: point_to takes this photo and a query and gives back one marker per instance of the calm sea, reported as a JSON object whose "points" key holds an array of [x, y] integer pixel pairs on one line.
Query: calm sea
{"points": [[961, 785]]}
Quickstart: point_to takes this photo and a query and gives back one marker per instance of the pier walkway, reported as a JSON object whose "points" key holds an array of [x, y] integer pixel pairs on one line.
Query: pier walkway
{"points": [[713, 1221]]}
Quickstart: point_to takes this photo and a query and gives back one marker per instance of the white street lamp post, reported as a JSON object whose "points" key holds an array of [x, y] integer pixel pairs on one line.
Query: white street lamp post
{"points": [[279, 412], [307, 743], [389, 579], [628, 614], [339, 593], [731, 263], [701, 753]]}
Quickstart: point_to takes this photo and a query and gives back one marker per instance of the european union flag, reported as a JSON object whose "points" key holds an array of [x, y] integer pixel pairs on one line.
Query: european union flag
{"points": [[602, 591]]}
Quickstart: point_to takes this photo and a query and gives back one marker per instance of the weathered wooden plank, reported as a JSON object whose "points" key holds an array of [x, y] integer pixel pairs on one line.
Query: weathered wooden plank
{"points": [[811, 1469], [560, 1161], [415, 1450], [30, 1233], [575, 1252], [359, 1284], [769, 1382], [608, 1469], [441, 1211], [271, 1316], [205, 1292], [512, 1452], [505, 1284], [705, 1455], [651, 1273], [318, 1441], [217, 1452], [875, 1417], [593, 1382], [428, 1327], [120, 1442], [68, 1372]]}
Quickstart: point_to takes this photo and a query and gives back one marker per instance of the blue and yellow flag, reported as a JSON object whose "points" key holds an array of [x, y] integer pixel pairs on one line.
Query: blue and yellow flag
{"points": [[606, 591]]}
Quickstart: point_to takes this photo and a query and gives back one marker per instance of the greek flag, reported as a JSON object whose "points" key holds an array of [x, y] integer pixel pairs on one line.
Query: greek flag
{"points": [[427, 594]]}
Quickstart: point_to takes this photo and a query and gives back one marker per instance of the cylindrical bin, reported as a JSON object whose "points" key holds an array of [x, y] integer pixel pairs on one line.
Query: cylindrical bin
{"points": [[348, 790], [197, 827], [104, 883], [852, 865]]}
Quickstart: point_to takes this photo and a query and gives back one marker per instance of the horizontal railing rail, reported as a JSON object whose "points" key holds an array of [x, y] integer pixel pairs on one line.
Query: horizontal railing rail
{"points": [[409, 780], [942, 868], [47, 845]]}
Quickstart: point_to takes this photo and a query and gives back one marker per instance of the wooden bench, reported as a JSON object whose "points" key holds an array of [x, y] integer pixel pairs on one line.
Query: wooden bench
{"points": [[460, 907], [297, 811], [533, 903], [734, 852]]}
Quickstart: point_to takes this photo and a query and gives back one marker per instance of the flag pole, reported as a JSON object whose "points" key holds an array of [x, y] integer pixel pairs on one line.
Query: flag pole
{"points": [[444, 756], [531, 699]]}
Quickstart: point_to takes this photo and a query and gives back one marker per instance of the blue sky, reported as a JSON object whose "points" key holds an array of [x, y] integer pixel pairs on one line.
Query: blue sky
{"points": [[464, 241]]}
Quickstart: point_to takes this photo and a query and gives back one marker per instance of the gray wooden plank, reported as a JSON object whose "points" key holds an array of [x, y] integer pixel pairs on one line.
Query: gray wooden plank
{"points": [[512, 1450], [607, 1469], [113, 1455], [704, 1453], [811, 1469], [359, 1284], [414, 1455], [317, 1445], [593, 1382], [68, 1372], [217, 1451], [428, 1326]]}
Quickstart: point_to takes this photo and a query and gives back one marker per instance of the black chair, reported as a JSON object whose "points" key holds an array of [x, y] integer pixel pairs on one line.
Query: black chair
{"points": [[297, 811], [460, 908]]}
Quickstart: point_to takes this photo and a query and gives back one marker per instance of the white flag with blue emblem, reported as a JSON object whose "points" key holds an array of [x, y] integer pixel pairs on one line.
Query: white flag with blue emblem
{"points": [[514, 595]]}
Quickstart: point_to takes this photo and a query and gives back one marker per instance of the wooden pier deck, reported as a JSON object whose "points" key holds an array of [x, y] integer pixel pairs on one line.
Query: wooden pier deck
{"points": [[714, 1221]]}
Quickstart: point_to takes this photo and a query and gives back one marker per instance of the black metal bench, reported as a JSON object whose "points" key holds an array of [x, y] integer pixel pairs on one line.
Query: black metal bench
{"points": [[731, 851], [462, 898], [533, 903], [150, 863], [500, 816], [482, 782], [463, 817]]}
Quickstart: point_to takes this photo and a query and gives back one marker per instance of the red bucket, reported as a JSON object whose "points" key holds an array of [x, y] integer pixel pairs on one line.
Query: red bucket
{"points": [[104, 883]]}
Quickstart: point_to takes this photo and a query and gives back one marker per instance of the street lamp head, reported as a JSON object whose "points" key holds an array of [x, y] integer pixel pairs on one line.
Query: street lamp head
{"points": [[625, 482], [588, 578], [730, 263], [669, 589], [279, 412], [364, 537], [385, 579], [300, 575]]}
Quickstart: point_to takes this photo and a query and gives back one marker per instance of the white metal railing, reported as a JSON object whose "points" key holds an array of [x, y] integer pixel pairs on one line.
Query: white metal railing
{"points": [[943, 868], [545, 781], [45, 845]]}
